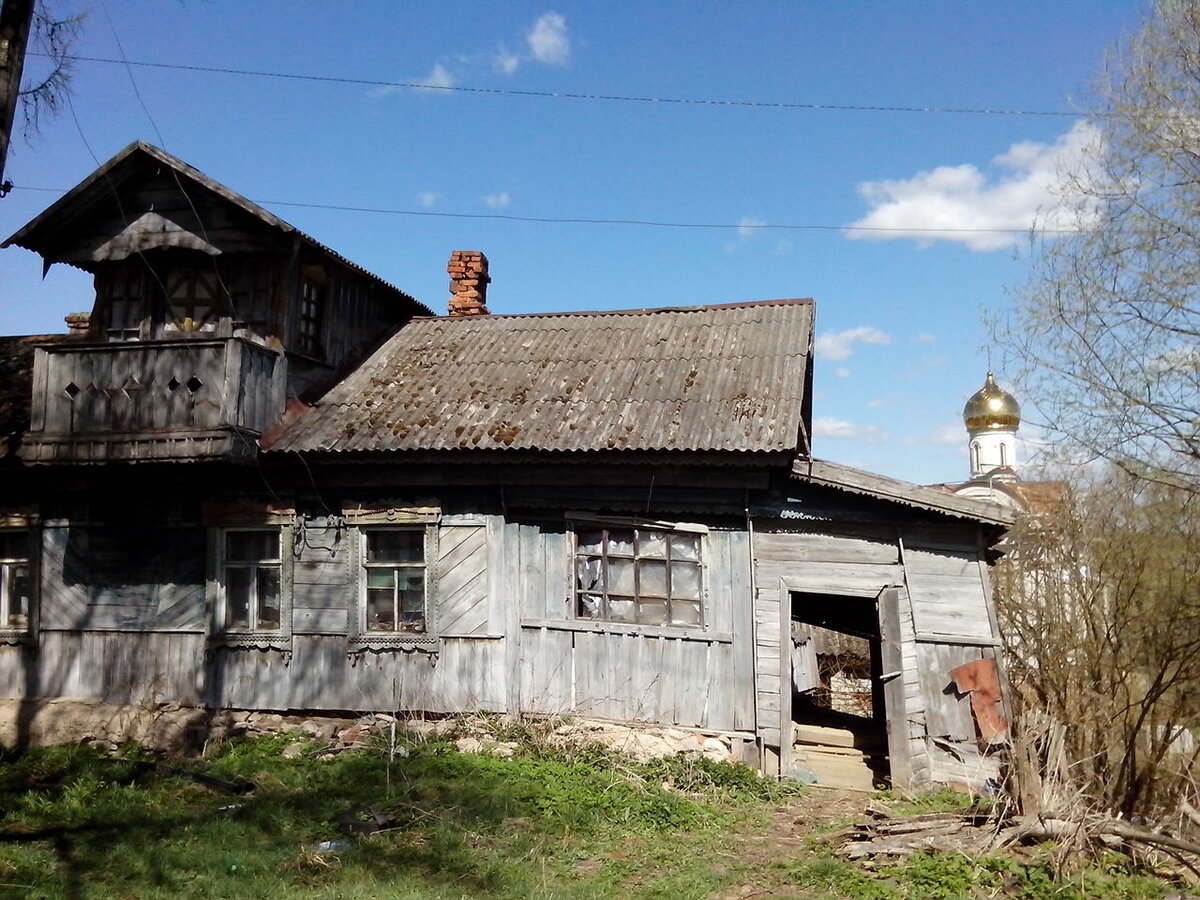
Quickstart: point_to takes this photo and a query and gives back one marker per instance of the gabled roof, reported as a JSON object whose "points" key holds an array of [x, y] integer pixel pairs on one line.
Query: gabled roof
{"points": [[720, 378], [881, 487], [107, 189]]}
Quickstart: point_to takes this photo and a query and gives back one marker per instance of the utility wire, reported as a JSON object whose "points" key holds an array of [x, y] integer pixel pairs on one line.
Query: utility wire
{"points": [[568, 95], [646, 223]]}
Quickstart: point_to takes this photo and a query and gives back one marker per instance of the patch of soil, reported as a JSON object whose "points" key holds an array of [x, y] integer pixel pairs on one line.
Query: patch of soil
{"points": [[790, 834]]}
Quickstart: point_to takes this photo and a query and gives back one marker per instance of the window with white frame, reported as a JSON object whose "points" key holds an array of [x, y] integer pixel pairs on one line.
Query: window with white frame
{"points": [[394, 581], [16, 585], [251, 568], [640, 574]]}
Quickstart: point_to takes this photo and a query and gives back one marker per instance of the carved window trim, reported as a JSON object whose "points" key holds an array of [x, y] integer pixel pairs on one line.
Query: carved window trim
{"points": [[362, 521], [22, 536], [223, 519]]}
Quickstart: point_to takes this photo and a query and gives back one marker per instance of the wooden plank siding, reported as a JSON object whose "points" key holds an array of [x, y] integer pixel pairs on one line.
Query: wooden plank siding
{"points": [[164, 590], [116, 667], [949, 597], [681, 676], [940, 618], [460, 677]]}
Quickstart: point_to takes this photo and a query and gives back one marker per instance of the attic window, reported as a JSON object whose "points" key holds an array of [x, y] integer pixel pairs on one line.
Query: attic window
{"points": [[642, 575], [192, 299], [312, 315]]}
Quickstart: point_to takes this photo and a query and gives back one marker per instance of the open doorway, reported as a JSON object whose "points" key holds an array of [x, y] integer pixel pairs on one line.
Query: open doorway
{"points": [[839, 723]]}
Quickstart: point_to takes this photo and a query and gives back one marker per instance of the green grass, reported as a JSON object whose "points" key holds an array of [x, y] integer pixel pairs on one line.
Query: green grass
{"points": [[77, 823]]}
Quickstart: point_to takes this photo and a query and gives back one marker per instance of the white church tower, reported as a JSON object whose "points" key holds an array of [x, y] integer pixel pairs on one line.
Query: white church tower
{"points": [[992, 417]]}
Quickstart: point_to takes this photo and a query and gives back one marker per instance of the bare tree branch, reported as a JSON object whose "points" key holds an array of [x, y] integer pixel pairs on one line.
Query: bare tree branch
{"points": [[1105, 337]]}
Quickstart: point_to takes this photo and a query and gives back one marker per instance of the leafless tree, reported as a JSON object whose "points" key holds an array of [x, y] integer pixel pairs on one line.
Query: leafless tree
{"points": [[1099, 598], [1105, 337], [43, 87], [48, 78]]}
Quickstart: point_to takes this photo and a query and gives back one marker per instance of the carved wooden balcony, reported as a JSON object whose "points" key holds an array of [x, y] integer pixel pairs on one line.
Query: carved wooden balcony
{"points": [[152, 401]]}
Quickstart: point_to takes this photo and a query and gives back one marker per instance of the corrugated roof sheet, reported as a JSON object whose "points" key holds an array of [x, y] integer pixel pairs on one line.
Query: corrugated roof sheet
{"points": [[724, 378], [856, 481]]}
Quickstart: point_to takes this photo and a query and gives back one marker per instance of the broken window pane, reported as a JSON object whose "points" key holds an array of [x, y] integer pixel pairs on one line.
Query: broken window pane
{"points": [[652, 543], [588, 570], [685, 546], [647, 575], [15, 583], [252, 579], [590, 542], [620, 542], [589, 606]]}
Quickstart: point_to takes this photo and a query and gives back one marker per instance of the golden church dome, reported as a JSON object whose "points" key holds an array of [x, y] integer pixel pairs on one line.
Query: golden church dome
{"points": [[992, 408]]}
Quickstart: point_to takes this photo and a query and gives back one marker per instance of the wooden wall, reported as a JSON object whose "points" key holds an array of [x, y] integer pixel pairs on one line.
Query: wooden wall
{"points": [[507, 640], [124, 618], [944, 618], [681, 676]]}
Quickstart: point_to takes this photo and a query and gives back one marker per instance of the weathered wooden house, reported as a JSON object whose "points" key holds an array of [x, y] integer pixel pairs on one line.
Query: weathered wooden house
{"points": [[611, 515]]}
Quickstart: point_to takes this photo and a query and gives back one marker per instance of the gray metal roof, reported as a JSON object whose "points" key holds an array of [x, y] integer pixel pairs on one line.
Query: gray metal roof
{"points": [[881, 487], [720, 378]]}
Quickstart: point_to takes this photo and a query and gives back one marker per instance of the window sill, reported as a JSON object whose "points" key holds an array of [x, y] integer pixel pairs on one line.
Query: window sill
{"points": [[13, 637], [664, 631], [398, 641], [253, 640]]}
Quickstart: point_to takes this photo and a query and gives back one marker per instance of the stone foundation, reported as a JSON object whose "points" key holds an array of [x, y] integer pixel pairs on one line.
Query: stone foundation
{"points": [[174, 729]]}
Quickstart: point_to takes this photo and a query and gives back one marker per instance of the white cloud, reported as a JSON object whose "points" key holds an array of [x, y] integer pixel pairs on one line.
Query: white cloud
{"points": [[840, 429], [946, 434], [924, 338], [497, 201], [749, 226], [838, 347], [548, 41], [504, 62], [428, 199], [439, 77], [841, 372], [945, 204]]}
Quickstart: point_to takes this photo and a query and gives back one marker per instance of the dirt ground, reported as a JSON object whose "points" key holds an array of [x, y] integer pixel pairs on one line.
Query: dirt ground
{"points": [[790, 833]]}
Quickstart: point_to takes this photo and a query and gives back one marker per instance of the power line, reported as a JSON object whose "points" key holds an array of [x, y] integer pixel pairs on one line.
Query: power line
{"points": [[568, 95], [645, 223]]}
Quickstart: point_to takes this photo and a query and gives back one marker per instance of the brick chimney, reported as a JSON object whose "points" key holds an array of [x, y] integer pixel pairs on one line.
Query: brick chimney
{"points": [[469, 279], [78, 324]]}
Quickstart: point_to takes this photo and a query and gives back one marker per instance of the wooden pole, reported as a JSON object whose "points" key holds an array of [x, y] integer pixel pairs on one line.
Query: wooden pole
{"points": [[16, 18]]}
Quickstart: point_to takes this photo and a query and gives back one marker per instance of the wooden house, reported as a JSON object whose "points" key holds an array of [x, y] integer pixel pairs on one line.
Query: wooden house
{"points": [[611, 515]]}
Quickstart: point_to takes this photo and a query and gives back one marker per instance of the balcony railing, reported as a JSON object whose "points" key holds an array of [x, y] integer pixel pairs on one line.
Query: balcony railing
{"points": [[147, 401]]}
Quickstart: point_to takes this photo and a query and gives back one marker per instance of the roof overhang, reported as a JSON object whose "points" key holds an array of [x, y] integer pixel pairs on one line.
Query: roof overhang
{"points": [[880, 487]]}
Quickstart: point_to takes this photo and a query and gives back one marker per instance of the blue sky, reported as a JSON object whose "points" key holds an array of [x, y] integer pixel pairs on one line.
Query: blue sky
{"points": [[901, 344]]}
